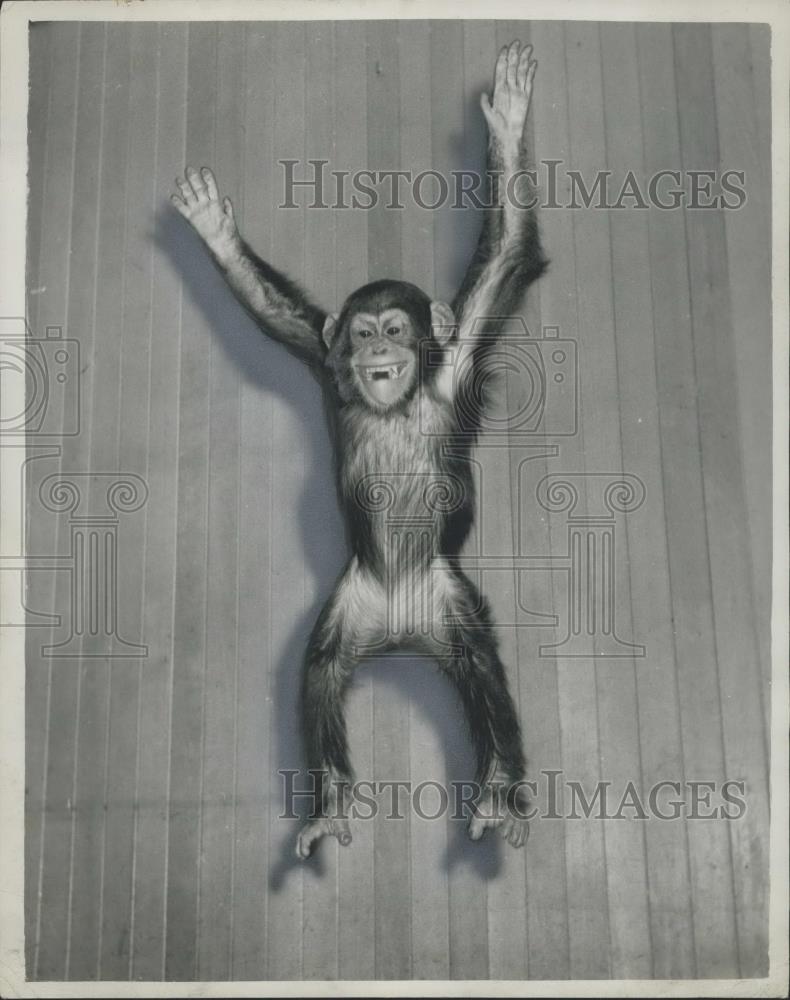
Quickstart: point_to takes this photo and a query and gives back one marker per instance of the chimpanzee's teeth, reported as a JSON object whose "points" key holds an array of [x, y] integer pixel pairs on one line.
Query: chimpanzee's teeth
{"points": [[387, 371]]}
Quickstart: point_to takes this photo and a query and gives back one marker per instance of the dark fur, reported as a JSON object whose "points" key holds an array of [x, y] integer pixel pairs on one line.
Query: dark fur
{"points": [[525, 264]]}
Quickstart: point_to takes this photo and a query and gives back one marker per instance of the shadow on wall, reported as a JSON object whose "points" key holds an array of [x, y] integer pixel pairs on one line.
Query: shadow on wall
{"points": [[266, 365]]}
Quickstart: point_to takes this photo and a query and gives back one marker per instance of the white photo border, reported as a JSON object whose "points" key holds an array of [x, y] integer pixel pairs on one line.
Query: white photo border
{"points": [[14, 25]]}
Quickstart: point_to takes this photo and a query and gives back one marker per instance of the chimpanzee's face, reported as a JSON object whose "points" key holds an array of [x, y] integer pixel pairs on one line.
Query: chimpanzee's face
{"points": [[383, 356]]}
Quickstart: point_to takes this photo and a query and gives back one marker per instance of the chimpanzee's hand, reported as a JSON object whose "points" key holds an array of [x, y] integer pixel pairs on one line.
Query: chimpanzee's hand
{"points": [[199, 203], [507, 112]]}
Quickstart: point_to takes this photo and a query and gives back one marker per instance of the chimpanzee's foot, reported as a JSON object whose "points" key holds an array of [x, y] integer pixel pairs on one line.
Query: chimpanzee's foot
{"points": [[514, 829], [320, 827], [492, 811]]}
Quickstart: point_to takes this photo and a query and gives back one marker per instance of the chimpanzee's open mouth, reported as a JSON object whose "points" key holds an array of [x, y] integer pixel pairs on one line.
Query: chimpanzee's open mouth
{"points": [[374, 373]]}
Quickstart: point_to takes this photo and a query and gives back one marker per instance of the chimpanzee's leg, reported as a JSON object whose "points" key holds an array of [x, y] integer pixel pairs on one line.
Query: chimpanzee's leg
{"points": [[327, 675], [332, 655], [479, 675]]}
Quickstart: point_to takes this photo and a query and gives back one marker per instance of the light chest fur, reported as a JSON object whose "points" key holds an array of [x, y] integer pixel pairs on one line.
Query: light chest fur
{"points": [[392, 468]]}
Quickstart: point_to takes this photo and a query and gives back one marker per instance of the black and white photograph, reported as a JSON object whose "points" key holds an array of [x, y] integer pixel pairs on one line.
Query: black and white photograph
{"points": [[393, 451]]}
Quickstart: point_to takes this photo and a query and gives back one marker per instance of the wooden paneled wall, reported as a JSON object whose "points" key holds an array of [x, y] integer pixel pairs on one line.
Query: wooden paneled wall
{"points": [[154, 843]]}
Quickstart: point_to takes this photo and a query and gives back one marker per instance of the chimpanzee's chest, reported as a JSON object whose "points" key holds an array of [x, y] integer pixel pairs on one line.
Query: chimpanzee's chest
{"points": [[395, 464]]}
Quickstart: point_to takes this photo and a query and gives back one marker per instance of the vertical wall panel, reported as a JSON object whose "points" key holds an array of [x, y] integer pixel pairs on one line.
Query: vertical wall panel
{"points": [[468, 891], [80, 325], [49, 766], [429, 911], [37, 678], [689, 580], [508, 943], [38, 120], [192, 585], [155, 843], [736, 68], [215, 919], [545, 680], [254, 206], [725, 508], [393, 884], [320, 943], [629, 944], [102, 432], [133, 449], [356, 922], [760, 42], [147, 934], [291, 535], [588, 916], [669, 908]]}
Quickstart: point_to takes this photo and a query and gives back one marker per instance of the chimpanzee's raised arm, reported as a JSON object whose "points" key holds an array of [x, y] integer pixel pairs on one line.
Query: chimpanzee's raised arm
{"points": [[509, 256], [277, 304]]}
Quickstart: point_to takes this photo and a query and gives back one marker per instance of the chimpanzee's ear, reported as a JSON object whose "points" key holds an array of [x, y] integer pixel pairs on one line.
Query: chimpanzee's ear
{"points": [[442, 321], [330, 328]]}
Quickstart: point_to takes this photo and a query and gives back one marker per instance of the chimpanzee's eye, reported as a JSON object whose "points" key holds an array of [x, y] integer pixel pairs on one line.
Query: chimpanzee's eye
{"points": [[393, 331]]}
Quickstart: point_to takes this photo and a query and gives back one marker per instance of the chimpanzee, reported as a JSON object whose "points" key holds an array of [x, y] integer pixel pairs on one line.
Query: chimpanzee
{"points": [[398, 369]]}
